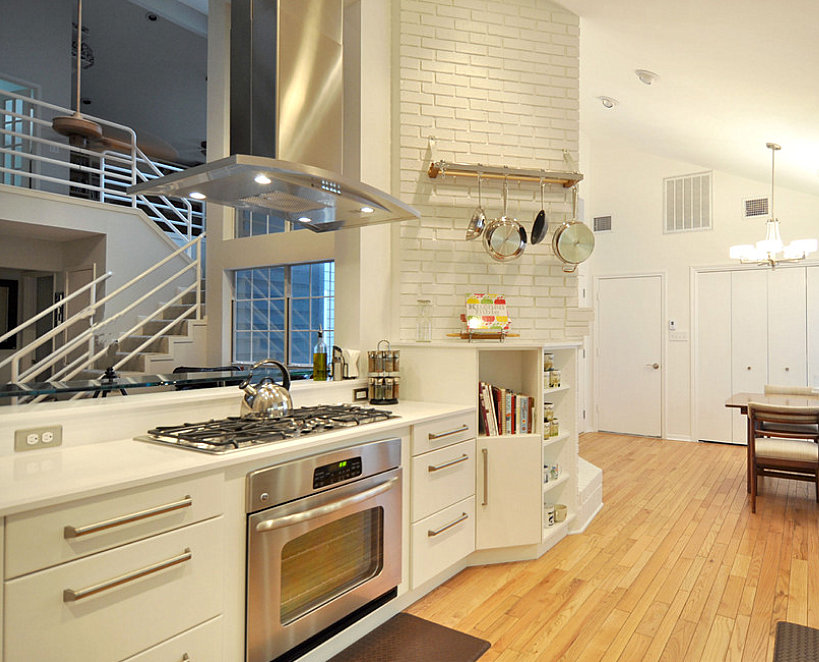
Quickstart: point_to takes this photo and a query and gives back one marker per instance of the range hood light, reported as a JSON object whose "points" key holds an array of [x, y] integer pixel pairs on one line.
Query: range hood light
{"points": [[196, 195], [261, 178], [367, 210]]}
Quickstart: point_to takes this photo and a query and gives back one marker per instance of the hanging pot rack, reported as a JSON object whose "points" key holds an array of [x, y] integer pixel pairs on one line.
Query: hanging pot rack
{"points": [[444, 168]]}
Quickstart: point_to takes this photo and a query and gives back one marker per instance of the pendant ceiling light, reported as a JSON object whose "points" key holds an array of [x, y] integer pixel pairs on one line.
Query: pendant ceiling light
{"points": [[78, 128], [771, 251]]}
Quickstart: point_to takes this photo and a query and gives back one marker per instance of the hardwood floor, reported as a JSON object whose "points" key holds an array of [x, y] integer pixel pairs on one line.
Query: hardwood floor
{"points": [[675, 566]]}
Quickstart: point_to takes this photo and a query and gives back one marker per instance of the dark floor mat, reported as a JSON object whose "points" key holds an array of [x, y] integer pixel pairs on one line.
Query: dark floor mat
{"points": [[407, 638], [795, 643]]}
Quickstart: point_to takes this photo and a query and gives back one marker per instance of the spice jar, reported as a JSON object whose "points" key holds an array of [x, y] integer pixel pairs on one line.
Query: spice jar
{"points": [[554, 378], [548, 361], [554, 428], [548, 411]]}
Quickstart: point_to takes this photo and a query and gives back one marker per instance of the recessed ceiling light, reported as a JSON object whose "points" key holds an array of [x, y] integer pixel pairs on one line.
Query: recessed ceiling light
{"points": [[261, 178], [196, 195], [304, 219], [367, 210], [608, 102], [645, 76]]}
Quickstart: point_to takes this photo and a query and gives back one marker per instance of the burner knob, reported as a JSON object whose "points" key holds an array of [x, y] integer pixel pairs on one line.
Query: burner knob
{"points": [[264, 496]]}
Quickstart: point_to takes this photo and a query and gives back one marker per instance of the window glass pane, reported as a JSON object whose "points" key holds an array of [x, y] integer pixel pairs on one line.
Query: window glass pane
{"points": [[300, 314], [301, 349], [241, 347], [300, 280], [243, 280], [259, 346], [258, 224], [241, 320], [276, 346], [276, 276], [261, 284], [260, 318], [276, 315]]}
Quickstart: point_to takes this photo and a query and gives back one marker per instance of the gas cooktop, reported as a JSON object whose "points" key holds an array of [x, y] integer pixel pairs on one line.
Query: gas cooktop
{"points": [[234, 433]]}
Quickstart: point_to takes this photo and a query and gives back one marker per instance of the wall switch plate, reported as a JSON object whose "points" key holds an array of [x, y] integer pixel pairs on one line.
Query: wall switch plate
{"points": [[360, 394], [46, 436]]}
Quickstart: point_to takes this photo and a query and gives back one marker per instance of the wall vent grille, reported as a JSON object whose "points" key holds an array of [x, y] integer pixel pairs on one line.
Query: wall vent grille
{"points": [[754, 207], [602, 223], [688, 202]]}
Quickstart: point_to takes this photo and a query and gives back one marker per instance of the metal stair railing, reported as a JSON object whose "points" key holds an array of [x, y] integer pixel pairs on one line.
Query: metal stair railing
{"points": [[26, 137], [84, 341]]}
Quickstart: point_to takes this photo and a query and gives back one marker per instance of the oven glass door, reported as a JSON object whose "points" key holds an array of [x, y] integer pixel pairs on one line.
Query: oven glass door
{"points": [[313, 561]]}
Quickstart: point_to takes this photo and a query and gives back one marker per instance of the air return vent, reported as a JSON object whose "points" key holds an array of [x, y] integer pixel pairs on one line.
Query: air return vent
{"points": [[687, 202], [755, 207], [602, 223]]}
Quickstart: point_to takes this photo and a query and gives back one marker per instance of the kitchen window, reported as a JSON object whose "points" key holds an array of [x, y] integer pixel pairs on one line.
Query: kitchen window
{"points": [[278, 312]]}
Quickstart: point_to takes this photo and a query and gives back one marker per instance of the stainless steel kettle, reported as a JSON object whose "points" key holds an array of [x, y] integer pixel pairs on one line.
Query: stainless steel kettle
{"points": [[266, 399]]}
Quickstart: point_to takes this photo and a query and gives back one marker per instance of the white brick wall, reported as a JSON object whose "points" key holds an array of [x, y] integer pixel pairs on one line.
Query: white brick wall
{"points": [[495, 83]]}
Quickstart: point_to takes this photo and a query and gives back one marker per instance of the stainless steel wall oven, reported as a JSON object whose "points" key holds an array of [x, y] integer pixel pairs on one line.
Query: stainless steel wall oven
{"points": [[323, 546]]}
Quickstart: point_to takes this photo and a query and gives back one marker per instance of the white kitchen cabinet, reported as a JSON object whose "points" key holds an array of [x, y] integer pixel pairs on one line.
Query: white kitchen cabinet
{"points": [[202, 643], [442, 477], [442, 539], [49, 536], [442, 495], [114, 604], [509, 498]]}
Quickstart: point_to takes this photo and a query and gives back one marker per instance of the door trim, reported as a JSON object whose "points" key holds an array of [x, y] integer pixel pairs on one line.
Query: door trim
{"points": [[662, 275]]}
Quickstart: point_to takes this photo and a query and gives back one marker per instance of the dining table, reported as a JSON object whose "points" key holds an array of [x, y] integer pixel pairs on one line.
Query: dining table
{"points": [[740, 401]]}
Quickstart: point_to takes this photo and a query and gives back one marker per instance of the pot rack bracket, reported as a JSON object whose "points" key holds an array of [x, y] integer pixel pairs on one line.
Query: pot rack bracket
{"points": [[566, 179]]}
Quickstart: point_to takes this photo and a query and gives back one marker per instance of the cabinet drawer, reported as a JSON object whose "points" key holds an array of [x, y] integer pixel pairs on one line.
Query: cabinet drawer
{"points": [[201, 644], [442, 432], [442, 477], [119, 616], [441, 540], [47, 537]]}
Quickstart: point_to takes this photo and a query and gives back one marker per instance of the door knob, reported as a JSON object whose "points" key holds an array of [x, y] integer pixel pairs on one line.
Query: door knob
{"points": [[656, 366]]}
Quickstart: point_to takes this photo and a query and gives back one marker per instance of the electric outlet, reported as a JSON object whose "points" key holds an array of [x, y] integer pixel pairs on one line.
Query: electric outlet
{"points": [[31, 439], [360, 394]]}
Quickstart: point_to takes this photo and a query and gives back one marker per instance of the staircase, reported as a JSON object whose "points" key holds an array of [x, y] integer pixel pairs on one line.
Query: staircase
{"points": [[181, 344]]}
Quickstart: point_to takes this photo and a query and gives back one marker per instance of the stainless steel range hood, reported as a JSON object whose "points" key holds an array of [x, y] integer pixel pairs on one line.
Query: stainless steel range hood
{"points": [[286, 128]]}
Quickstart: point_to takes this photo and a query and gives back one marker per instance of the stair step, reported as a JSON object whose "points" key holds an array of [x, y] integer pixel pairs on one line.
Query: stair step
{"points": [[155, 326], [159, 345]]}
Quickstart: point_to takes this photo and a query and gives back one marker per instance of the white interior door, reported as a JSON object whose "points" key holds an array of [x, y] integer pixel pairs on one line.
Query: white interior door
{"points": [[712, 371], [749, 340], [787, 327], [629, 355]]}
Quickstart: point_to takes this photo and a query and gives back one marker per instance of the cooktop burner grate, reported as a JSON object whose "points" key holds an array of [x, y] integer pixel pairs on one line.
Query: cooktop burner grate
{"points": [[235, 433]]}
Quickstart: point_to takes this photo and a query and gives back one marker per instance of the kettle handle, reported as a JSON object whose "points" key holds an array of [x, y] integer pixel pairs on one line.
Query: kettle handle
{"points": [[285, 372]]}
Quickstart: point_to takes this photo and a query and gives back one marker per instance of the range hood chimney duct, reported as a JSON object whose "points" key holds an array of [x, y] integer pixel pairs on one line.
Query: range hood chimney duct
{"points": [[286, 124]]}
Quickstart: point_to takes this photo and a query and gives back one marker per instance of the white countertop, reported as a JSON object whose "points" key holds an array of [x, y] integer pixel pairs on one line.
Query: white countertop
{"points": [[46, 477]]}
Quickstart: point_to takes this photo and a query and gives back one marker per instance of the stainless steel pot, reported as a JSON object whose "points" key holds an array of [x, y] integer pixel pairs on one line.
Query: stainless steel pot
{"points": [[266, 399]]}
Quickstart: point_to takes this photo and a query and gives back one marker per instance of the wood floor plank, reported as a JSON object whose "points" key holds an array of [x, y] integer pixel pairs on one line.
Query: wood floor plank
{"points": [[675, 567]]}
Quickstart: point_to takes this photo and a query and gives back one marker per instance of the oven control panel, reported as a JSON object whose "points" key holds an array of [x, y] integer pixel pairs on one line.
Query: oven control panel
{"points": [[337, 472]]}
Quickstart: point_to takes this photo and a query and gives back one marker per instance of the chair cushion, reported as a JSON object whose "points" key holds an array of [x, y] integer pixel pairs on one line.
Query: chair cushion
{"points": [[787, 449]]}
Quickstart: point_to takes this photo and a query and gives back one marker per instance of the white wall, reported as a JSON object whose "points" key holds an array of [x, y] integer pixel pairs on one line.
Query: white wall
{"points": [[494, 83], [628, 185]]}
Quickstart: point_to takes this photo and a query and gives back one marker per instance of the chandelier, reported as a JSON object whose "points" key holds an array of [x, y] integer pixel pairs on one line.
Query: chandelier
{"points": [[771, 251]]}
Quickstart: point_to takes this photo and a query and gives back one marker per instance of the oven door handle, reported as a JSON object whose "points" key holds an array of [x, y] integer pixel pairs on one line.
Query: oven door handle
{"points": [[326, 509]]}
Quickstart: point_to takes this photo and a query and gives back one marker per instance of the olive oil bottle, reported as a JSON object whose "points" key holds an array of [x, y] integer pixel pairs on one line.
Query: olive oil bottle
{"points": [[320, 359]]}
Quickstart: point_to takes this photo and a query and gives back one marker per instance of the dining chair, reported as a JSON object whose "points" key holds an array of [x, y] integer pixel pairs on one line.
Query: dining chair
{"points": [[784, 443], [789, 390]]}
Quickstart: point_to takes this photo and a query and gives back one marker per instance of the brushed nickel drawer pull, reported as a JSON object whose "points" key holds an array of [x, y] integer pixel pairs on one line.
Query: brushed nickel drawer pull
{"points": [[449, 463], [70, 595], [485, 476], [441, 435], [434, 532], [76, 532]]}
